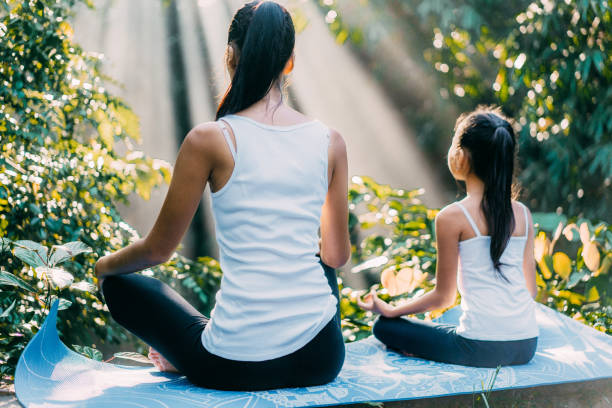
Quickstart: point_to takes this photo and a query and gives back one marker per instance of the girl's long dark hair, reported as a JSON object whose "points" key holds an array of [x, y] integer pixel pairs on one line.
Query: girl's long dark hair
{"points": [[264, 36], [490, 142]]}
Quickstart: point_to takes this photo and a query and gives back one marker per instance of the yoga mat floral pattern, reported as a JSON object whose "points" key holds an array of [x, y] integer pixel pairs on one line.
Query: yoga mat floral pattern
{"points": [[49, 374]]}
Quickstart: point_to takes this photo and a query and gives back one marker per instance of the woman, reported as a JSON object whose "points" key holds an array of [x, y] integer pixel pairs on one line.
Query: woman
{"points": [[276, 178]]}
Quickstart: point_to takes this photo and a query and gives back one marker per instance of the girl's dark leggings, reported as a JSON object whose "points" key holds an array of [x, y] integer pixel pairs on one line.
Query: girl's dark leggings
{"points": [[440, 342], [159, 316]]}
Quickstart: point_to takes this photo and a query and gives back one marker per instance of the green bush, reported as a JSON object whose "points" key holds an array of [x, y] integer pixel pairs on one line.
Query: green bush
{"points": [[61, 174]]}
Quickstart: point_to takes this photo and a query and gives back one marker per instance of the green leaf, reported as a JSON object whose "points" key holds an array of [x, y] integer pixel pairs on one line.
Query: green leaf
{"points": [[66, 251], [8, 310], [88, 352], [64, 304], [575, 278], [58, 277], [7, 278], [84, 286], [548, 221], [30, 252], [126, 355], [5, 244]]}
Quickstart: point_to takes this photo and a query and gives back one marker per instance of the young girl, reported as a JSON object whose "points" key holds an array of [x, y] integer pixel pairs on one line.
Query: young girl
{"points": [[485, 249], [276, 177]]}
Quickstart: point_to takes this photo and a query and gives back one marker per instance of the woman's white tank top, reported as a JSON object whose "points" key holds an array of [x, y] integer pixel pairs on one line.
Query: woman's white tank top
{"points": [[494, 309], [274, 297]]}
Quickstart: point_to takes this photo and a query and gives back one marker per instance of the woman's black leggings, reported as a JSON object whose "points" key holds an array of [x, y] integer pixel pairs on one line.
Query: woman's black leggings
{"points": [[159, 316], [440, 342]]}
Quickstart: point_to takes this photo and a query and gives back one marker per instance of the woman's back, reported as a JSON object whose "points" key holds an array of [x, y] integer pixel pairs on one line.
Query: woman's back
{"points": [[496, 306], [267, 217]]}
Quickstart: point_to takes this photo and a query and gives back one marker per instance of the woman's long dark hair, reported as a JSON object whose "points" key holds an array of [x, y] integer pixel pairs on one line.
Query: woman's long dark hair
{"points": [[489, 139], [264, 36]]}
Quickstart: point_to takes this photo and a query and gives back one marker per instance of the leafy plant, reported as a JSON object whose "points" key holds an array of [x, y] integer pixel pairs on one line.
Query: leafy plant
{"points": [[88, 352], [45, 265], [68, 155], [579, 286]]}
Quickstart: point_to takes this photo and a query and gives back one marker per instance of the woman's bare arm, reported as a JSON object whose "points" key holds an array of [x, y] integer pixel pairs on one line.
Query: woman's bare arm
{"points": [[335, 243], [193, 168]]}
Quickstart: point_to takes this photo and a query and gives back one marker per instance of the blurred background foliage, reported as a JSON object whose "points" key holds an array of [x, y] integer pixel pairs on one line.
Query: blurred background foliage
{"points": [[547, 63], [68, 155]]}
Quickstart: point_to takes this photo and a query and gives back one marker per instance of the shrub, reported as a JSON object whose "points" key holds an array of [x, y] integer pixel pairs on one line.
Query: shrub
{"points": [[67, 155]]}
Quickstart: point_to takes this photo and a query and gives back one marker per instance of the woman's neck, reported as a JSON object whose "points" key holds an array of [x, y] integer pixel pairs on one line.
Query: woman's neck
{"points": [[268, 105], [474, 187]]}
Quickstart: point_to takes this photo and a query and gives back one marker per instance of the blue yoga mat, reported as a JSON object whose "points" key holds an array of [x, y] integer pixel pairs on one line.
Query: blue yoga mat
{"points": [[51, 375]]}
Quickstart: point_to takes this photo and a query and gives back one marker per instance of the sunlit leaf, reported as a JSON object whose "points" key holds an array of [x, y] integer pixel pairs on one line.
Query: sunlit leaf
{"points": [[107, 133], [389, 282], [30, 252], [58, 277], [575, 278], [541, 246], [5, 244], [556, 235], [7, 278], [8, 310], [84, 286], [66, 251], [88, 352], [591, 256], [562, 264], [593, 295], [605, 266], [571, 232], [63, 303], [544, 268], [585, 235], [126, 355]]}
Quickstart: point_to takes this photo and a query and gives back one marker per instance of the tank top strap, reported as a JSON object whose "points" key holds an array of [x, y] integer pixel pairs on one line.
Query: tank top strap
{"points": [[469, 218], [526, 218], [228, 137]]}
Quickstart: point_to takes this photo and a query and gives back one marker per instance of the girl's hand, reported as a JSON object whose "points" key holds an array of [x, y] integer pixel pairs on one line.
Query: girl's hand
{"points": [[375, 304]]}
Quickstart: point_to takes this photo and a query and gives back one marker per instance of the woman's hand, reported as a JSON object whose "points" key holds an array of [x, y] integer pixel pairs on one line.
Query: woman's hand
{"points": [[100, 271], [375, 304]]}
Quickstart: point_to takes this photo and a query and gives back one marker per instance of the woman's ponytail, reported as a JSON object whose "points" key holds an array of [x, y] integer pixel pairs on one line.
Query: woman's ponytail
{"points": [[264, 34], [491, 143]]}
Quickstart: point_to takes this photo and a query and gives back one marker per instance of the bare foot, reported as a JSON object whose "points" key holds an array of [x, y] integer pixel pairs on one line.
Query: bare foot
{"points": [[160, 362]]}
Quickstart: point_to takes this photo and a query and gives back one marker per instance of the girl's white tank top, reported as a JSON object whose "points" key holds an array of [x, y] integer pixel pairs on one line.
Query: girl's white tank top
{"points": [[494, 309], [274, 297]]}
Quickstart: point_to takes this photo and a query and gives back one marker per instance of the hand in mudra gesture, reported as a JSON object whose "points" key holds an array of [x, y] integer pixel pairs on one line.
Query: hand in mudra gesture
{"points": [[373, 303]]}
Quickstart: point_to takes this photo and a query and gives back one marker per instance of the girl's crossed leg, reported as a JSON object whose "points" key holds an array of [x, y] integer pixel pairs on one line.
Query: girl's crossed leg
{"points": [[440, 342]]}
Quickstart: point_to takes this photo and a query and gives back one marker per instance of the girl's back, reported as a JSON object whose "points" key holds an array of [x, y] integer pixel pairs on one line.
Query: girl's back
{"points": [[267, 216], [496, 306]]}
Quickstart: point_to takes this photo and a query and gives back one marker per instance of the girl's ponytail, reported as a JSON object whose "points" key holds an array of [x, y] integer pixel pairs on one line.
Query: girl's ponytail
{"points": [[491, 143], [497, 200], [264, 34]]}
